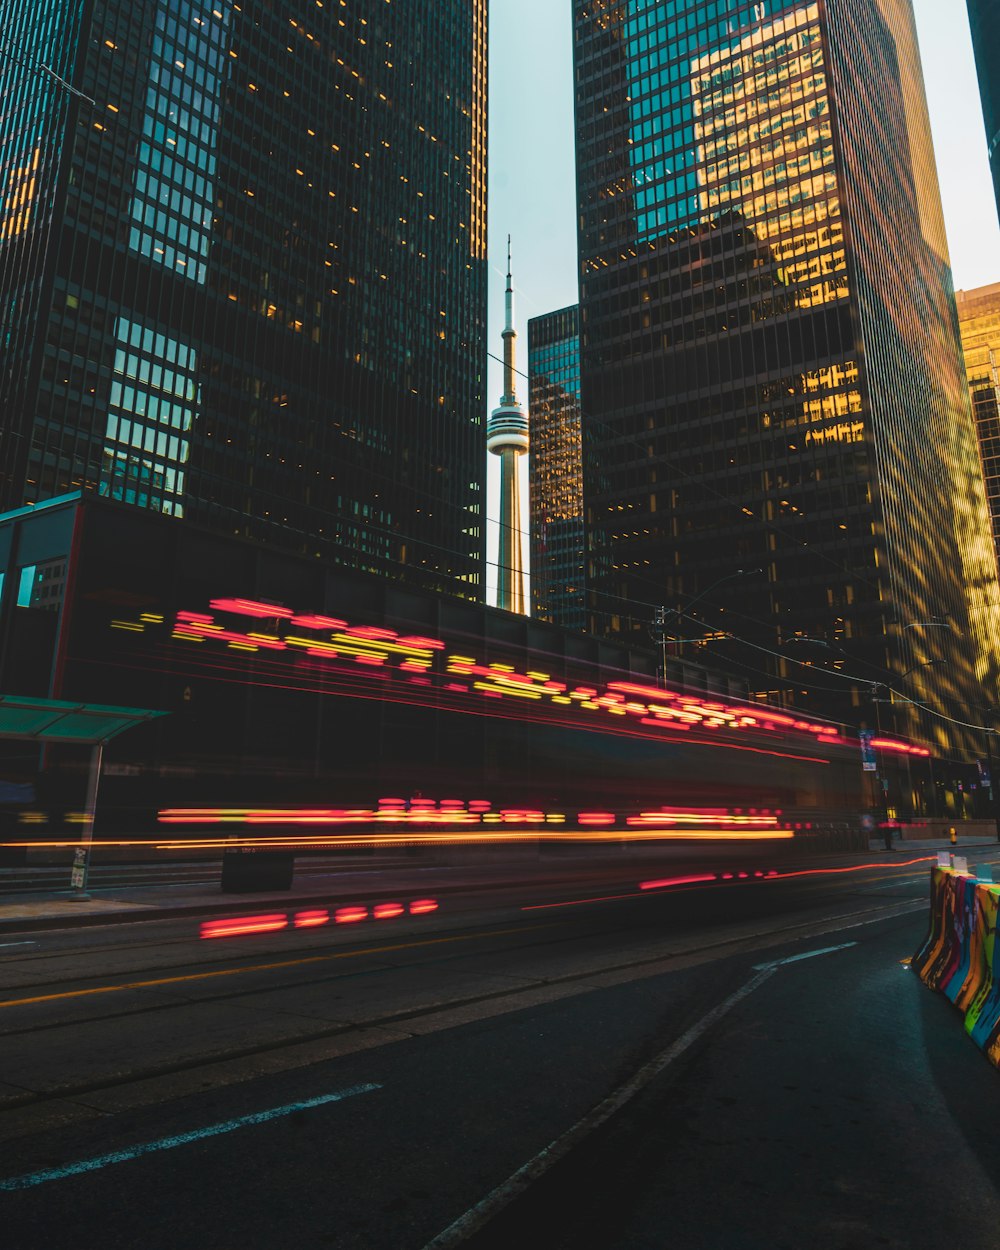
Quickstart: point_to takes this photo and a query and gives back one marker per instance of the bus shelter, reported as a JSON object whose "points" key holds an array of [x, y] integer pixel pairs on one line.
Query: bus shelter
{"points": [[47, 721]]}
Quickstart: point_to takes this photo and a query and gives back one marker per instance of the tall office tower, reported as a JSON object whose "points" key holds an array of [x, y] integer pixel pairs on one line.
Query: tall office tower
{"points": [[507, 437], [979, 321], [556, 471], [243, 270], [984, 17], [777, 436]]}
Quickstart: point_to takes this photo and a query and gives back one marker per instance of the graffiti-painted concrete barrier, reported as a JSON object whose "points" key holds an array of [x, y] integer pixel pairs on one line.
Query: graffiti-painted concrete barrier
{"points": [[960, 957]]}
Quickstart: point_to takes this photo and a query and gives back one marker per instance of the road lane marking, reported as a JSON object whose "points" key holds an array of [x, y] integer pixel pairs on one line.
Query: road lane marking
{"points": [[284, 963], [182, 1139], [794, 959], [493, 1203], [4, 944]]}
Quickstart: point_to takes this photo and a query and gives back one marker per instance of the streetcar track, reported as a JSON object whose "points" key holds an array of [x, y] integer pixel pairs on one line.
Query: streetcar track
{"points": [[285, 984], [232, 995], [193, 939], [687, 957], [217, 963]]}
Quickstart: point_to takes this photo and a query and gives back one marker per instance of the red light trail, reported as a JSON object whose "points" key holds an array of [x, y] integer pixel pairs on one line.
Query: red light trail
{"points": [[314, 918], [375, 650]]}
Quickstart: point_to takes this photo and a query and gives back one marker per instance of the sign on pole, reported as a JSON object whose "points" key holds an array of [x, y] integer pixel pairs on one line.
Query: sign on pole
{"points": [[78, 877], [868, 761]]}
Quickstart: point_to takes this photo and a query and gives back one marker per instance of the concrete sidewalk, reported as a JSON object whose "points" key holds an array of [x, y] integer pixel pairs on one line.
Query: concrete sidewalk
{"points": [[58, 909], [963, 846]]}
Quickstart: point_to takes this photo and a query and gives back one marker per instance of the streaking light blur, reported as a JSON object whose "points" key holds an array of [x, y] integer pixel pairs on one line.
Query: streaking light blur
{"points": [[386, 911], [311, 919], [350, 915], [240, 926], [382, 651]]}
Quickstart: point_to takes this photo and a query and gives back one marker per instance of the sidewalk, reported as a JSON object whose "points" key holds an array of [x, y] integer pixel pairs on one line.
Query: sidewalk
{"points": [[59, 909], [963, 845], [367, 883]]}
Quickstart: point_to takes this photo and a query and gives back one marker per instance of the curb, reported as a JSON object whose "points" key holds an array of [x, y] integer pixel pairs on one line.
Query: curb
{"points": [[228, 905]]}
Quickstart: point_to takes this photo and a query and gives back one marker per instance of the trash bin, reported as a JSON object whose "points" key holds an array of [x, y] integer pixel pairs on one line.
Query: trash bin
{"points": [[245, 870]]}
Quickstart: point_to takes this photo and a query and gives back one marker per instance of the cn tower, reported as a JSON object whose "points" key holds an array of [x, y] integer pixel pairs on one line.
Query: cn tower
{"points": [[507, 437]]}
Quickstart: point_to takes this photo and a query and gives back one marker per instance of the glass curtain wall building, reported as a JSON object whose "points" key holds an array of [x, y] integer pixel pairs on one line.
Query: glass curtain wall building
{"points": [[556, 469], [777, 435], [979, 319], [984, 18], [243, 270]]}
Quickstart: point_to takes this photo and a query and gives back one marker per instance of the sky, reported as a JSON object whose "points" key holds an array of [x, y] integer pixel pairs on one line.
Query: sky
{"points": [[532, 187]]}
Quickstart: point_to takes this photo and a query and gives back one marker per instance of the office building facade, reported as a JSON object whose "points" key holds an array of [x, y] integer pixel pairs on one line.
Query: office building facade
{"points": [[979, 319], [777, 433], [984, 18], [243, 270], [556, 470]]}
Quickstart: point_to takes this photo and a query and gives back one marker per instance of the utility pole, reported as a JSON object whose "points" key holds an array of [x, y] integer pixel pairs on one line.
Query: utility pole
{"points": [[882, 779], [679, 613], [660, 625]]}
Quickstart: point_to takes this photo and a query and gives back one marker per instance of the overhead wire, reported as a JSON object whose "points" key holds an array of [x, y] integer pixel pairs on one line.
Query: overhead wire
{"points": [[30, 63], [612, 435], [522, 533]]}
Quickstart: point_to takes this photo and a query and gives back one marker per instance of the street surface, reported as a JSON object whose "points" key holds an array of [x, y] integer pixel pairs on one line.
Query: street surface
{"points": [[645, 1065]]}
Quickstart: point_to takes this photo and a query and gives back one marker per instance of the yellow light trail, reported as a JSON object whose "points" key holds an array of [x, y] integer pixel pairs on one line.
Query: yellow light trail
{"points": [[429, 838]]}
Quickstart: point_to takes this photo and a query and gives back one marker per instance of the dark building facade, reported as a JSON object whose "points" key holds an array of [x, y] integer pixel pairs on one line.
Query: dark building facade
{"points": [[777, 435], [243, 270], [979, 319], [556, 469], [290, 683], [984, 18]]}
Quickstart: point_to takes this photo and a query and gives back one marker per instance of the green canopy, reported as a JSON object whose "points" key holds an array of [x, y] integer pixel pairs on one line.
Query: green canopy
{"points": [[51, 720]]}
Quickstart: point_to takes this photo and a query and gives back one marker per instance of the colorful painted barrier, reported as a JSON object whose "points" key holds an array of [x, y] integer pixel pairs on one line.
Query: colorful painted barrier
{"points": [[960, 957]]}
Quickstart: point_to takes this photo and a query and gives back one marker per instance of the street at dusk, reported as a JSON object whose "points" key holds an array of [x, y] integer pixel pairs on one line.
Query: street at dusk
{"points": [[463, 1043], [499, 624]]}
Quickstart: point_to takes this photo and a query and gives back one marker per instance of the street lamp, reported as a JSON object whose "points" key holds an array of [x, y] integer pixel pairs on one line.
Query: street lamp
{"points": [[930, 757], [922, 664], [989, 713], [881, 775], [939, 622]]}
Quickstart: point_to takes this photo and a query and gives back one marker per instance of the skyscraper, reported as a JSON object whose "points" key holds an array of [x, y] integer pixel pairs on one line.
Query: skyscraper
{"points": [[979, 319], [771, 375], [243, 272], [556, 475], [984, 18]]}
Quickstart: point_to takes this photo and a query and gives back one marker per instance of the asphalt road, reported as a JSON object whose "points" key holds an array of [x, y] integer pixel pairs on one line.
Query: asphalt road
{"points": [[513, 1070]]}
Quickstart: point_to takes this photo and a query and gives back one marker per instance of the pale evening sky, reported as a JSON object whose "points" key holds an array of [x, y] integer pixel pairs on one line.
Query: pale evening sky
{"points": [[532, 191]]}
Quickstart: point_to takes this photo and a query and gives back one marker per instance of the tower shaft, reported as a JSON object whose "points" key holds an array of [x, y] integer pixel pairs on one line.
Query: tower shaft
{"points": [[510, 570], [507, 437]]}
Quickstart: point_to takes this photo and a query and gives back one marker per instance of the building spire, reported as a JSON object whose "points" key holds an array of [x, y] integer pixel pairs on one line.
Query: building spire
{"points": [[509, 336]]}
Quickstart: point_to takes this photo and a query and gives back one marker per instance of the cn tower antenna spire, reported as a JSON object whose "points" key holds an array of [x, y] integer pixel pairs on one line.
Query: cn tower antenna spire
{"points": [[509, 338], [507, 437]]}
